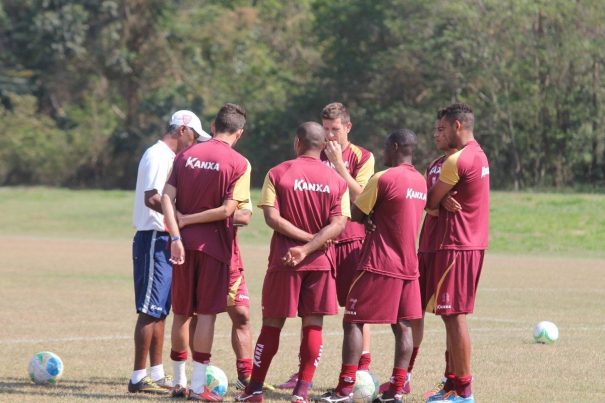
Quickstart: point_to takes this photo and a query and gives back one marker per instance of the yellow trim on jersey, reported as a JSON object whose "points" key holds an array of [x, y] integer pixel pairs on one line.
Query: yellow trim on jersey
{"points": [[245, 205], [345, 204], [449, 170], [365, 172], [431, 306], [267, 193], [241, 190], [367, 198]]}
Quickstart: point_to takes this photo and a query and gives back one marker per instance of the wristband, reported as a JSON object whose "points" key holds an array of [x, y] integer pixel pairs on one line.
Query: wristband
{"points": [[175, 238]]}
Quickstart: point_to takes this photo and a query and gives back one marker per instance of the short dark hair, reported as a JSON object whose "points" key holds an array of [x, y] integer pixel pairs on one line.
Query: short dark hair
{"points": [[336, 110], [458, 111], [230, 118], [405, 139], [170, 129], [312, 135]]}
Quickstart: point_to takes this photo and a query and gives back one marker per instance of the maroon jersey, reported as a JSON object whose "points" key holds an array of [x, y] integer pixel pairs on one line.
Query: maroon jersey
{"points": [[307, 193], [360, 164], [205, 175], [427, 241], [468, 171], [398, 197]]}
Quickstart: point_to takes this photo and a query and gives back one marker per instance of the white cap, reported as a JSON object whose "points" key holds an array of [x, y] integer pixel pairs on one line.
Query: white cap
{"points": [[189, 119]]}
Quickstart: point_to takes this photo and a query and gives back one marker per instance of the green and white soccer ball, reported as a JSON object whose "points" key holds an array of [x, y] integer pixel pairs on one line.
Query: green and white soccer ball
{"points": [[45, 368], [366, 387], [546, 332], [216, 380]]}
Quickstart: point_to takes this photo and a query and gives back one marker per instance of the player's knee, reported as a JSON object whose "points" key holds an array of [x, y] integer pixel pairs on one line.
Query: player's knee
{"points": [[240, 316]]}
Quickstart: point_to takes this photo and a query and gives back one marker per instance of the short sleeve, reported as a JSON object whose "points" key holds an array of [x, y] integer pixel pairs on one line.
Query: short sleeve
{"points": [[241, 188], [267, 193], [449, 170], [155, 172], [365, 172], [368, 197]]}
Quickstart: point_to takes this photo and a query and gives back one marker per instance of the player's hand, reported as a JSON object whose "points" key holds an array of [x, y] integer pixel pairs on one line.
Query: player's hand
{"points": [[369, 224], [180, 219], [451, 204], [334, 153], [294, 256], [327, 245], [177, 252]]}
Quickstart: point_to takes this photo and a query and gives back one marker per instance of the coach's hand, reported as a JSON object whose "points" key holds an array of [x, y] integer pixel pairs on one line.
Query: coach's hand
{"points": [[451, 204], [294, 256], [369, 224], [334, 153], [180, 219], [177, 252]]}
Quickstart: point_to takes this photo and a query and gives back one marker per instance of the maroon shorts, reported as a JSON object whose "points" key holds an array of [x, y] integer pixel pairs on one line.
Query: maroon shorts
{"points": [[199, 285], [376, 298], [288, 292], [238, 290], [426, 261], [452, 283], [347, 260]]}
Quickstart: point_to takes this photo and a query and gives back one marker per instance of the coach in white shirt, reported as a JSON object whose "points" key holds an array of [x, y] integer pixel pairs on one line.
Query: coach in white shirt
{"points": [[151, 251]]}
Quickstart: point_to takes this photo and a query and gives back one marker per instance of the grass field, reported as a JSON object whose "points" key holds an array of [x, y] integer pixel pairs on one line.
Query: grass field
{"points": [[65, 283]]}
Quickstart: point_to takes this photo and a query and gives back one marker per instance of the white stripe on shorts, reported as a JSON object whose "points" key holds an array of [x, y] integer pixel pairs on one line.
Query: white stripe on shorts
{"points": [[151, 273]]}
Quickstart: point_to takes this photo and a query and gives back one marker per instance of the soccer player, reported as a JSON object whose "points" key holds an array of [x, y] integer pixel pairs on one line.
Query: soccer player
{"points": [[385, 289], [306, 204], [213, 178], [461, 240], [152, 271]]}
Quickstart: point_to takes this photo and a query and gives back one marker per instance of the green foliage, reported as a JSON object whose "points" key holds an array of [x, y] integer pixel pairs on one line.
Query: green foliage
{"points": [[114, 70]]}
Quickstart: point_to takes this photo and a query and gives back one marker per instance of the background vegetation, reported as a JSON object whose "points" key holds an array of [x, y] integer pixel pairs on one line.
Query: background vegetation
{"points": [[86, 85]]}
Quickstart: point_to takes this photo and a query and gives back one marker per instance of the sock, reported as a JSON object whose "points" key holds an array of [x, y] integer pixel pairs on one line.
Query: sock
{"points": [[449, 383], [264, 351], [244, 368], [310, 352], [157, 372], [179, 366], [137, 375], [302, 389], [413, 359], [198, 376], [397, 380], [463, 385], [346, 380], [364, 361]]}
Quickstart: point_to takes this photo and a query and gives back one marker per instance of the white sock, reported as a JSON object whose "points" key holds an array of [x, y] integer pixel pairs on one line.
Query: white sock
{"points": [[137, 375], [157, 372], [198, 377], [179, 372]]}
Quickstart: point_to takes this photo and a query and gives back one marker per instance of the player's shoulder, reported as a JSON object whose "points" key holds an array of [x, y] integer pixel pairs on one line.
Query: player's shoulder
{"points": [[362, 154]]}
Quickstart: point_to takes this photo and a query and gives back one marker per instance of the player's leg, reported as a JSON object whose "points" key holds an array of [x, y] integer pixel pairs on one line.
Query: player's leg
{"points": [[311, 347], [238, 308], [366, 358], [460, 351], [179, 338]]}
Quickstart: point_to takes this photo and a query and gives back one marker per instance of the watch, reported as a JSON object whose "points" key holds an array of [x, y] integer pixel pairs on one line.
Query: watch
{"points": [[175, 238]]}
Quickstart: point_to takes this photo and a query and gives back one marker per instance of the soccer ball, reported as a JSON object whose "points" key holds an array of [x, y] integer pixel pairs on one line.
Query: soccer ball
{"points": [[365, 389], [546, 332], [216, 380], [45, 368]]}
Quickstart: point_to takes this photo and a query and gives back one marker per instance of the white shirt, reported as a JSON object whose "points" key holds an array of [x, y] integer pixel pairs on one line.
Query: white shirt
{"points": [[154, 168]]}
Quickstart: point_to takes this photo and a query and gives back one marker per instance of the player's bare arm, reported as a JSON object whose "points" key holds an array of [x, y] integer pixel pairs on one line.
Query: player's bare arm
{"points": [[333, 151], [279, 224], [153, 200], [241, 217], [332, 230], [437, 193], [216, 214], [177, 250]]}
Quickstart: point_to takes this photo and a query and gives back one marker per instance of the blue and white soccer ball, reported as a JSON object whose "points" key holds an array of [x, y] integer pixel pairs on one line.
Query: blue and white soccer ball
{"points": [[45, 368], [216, 380], [546, 332], [366, 387]]}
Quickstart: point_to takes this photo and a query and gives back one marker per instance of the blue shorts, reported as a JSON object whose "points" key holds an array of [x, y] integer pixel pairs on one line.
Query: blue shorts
{"points": [[152, 272]]}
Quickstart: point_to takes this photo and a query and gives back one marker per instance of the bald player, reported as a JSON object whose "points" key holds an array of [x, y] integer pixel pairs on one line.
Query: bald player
{"points": [[306, 204]]}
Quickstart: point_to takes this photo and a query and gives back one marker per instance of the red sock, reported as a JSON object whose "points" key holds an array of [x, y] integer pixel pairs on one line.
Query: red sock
{"points": [[264, 351], [310, 352], [178, 355], [202, 358], [397, 380], [346, 380], [364, 362], [244, 368], [463, 385], [413, 359]]}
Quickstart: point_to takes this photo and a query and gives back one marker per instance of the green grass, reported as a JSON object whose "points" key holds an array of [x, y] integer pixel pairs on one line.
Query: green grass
{"points": [[542, 223], [66, 283]]}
